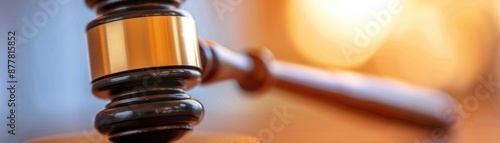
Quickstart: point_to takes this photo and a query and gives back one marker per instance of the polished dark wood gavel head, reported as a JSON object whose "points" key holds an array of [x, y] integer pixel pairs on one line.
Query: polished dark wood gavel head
{"points": [[144, 55]]}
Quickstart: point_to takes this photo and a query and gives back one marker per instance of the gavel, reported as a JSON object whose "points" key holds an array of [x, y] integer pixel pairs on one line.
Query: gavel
{"points": [[145, 55]]}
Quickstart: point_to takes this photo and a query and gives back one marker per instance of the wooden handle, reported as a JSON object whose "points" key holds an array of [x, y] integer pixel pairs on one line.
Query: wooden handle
{"points": [[257, 71]]}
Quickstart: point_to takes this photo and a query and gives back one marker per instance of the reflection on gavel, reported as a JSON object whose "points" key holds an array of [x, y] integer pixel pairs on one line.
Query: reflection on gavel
{"points": [[145, 54]]}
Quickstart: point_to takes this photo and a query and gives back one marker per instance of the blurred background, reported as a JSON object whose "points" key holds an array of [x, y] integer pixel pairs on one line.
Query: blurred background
{"points": [[449, 45]]}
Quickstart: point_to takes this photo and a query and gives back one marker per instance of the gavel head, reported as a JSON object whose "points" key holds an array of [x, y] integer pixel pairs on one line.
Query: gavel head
{"points": [[144, 55]]}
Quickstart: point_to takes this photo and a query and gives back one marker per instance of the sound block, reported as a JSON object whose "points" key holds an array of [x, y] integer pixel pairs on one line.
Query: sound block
{"points": [[194, 138]]}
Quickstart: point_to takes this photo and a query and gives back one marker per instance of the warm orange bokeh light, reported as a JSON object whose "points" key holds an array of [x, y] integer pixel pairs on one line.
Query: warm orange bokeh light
{"points": [[429, 43], [341, 33]]}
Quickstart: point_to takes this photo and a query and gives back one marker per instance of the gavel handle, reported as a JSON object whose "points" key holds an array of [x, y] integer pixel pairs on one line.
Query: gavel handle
{"points": [[256, 71]]}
